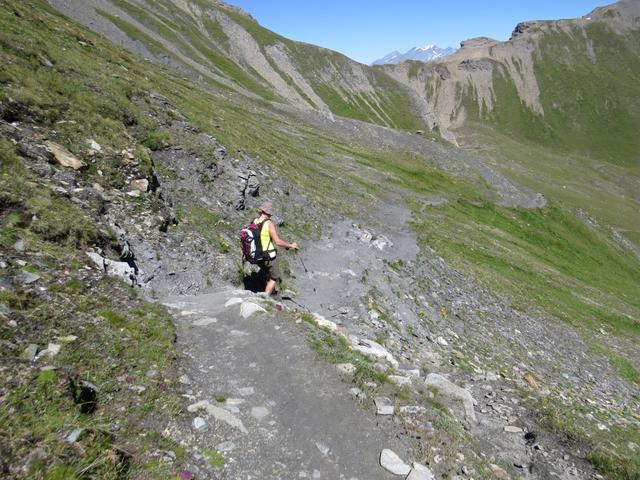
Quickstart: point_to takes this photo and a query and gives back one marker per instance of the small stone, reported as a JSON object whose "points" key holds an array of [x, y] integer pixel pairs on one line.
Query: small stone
{"points": [[246, 391], [400, 380], [412, 410], [446, 387], [532, 381], [74, 436], [391, 462], [357, 394], [93, 145], [512, 429], [139, 389], [52, 350], [499, 473], [45, 61], [225, 446], [140, 184], [185, 380], [27, 278], [420, 472], [200, 425], [13, 324], [346, 368], [632, 446], [384, 406], [19, 246], [259, 412], [31, 352], [324, 450]]}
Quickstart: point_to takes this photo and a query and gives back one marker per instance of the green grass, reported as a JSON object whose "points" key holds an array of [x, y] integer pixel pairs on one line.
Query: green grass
{"points": [[614, 460], [544, 257], [591, 105]]}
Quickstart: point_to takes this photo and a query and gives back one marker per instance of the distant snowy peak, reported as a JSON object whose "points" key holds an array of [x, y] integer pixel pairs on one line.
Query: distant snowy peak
{"points": [[427, 53]]}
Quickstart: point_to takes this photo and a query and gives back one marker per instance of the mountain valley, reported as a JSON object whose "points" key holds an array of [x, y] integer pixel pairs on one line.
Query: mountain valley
{"points": [[466, 294]]}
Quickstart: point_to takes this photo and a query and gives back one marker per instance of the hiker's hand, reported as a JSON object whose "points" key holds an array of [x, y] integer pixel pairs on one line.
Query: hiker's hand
{"points": [[295, 246]]}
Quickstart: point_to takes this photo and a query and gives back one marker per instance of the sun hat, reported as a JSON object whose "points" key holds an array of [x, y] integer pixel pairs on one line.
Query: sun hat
{"points": [[266, 207]]}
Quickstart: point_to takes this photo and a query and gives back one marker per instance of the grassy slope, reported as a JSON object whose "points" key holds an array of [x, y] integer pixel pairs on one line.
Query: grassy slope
{"points": [[390, 106], [501, 248], [592, 107]]}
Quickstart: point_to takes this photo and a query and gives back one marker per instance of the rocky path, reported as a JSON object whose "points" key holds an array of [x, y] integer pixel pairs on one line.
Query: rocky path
{"points": [[259, 396], [262, 398]]}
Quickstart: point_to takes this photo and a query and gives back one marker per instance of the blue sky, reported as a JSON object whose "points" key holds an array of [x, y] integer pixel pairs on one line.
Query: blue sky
{"points": [[366, 30]]}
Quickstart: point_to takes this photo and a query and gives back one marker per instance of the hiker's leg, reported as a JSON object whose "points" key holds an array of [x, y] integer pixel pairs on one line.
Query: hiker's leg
{"points": [[271, 285]]}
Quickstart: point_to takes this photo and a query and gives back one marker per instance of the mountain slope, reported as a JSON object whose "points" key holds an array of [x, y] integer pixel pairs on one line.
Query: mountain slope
{"points": [[412, 249], [571, 85], [229, 48]]}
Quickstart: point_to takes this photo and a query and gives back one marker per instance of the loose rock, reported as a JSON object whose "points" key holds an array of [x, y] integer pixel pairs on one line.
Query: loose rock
{"points": [[64, 157], [391, 462], [384, 406], [448, 388]]}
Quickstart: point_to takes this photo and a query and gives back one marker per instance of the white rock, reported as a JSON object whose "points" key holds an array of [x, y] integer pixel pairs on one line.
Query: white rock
{"points": [[512, 429], [249, 308], [218, 413], [400, 380], [93, 145], [259, 412], [391, 462], [412, 409], [346, 368], [371, 348], [445, 387], [117, 269], [412, 373], [246, 391], [323, 322], [232, 302], [225, 446], [200, 424], [52, 350], [384, 406], [420, 472], [442, 342]]}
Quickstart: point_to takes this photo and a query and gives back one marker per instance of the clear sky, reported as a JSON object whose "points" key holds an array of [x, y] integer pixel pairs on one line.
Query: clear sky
{"points": [[366, 30]]}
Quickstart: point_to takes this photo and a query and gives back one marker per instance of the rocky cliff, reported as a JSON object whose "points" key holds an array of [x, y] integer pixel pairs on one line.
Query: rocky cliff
{"points": [[566, 82]]}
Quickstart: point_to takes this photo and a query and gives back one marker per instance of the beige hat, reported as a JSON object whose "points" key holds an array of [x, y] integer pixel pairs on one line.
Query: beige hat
{"points": [[266, 207]]}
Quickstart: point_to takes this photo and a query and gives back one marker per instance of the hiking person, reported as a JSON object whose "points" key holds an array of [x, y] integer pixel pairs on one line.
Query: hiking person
{"points": [[269, 239]]}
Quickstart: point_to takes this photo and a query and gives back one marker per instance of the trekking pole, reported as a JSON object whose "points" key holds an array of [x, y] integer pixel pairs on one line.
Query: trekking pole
{"points": [[303, 265], [288, 298]]}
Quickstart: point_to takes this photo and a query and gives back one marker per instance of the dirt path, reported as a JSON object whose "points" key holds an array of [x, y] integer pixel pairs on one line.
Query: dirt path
{"points": [[298, 419]]}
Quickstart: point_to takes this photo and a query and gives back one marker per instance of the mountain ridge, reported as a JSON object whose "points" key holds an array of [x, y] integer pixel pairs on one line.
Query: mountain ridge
{"points": [[427, 53]]}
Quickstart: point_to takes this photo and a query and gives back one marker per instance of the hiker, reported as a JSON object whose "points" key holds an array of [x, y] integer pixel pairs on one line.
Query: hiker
{"points": [[269, 239]]}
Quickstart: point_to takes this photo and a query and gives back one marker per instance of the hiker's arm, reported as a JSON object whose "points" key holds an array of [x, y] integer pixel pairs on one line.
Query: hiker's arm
{"points": [[275, 238]]}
